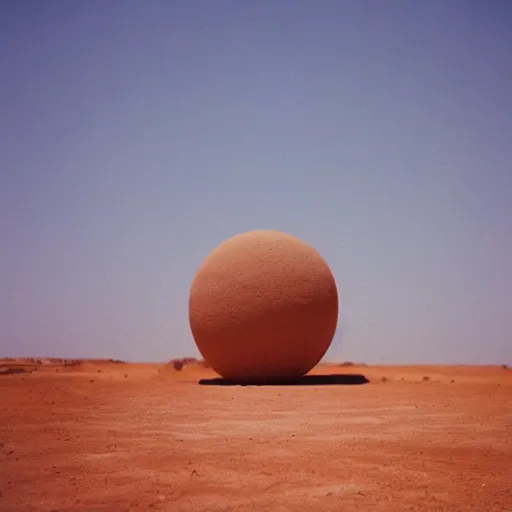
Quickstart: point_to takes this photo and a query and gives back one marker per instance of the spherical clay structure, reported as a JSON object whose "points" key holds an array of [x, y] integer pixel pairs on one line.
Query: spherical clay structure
{"points": [[263, 306]]}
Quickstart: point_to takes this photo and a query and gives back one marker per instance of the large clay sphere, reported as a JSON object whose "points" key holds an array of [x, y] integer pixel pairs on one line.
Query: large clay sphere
{"points": [[263, 305]]}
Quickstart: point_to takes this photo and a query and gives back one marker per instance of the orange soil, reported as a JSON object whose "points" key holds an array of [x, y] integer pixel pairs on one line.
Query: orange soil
{"points": [[113, 437]]}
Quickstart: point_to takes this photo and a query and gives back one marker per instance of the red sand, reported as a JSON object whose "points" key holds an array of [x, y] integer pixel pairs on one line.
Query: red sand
{"points": [[116, 437]]}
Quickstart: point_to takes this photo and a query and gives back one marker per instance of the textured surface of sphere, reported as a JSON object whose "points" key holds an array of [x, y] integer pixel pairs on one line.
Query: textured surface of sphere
{"points": [[263, 305]]}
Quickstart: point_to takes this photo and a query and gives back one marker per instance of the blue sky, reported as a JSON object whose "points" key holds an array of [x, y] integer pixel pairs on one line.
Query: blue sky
{"points": [[136, 136]]}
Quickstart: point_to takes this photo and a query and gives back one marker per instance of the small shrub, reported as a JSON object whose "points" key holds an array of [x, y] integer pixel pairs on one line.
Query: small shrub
{"points": [[384, 379], [426, 378], [178, 365], [68, 362], [504, 366]]}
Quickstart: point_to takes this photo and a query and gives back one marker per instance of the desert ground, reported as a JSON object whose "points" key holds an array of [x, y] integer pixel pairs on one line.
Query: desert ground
{"points": [[111, 436]]}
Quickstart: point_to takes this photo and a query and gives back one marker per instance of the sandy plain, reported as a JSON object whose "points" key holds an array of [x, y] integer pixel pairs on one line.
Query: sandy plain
{"points": [[106, 436]]}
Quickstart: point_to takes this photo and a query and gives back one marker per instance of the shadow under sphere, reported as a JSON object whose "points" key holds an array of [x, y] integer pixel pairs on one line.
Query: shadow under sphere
{"points": [[263, 305]]}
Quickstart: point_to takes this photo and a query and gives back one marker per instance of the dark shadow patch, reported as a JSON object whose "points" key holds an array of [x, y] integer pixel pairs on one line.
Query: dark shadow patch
{"points": [[306, 380], [13, 371]]}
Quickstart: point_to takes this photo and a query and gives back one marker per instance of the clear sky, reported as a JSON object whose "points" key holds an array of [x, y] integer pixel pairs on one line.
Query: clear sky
{"points": [[137, 135]]}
